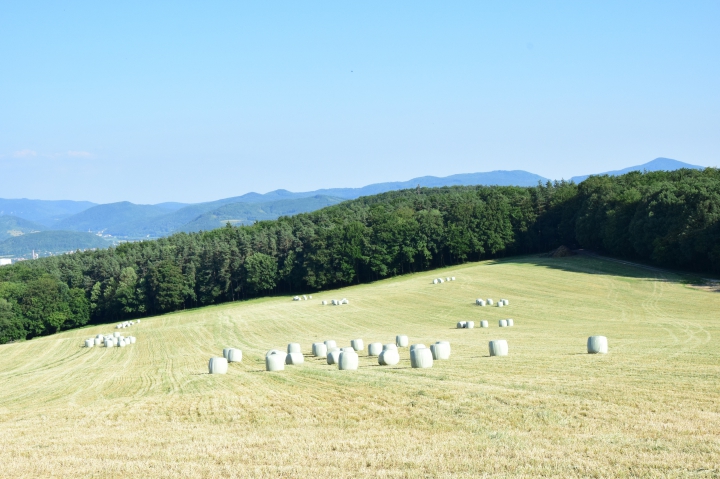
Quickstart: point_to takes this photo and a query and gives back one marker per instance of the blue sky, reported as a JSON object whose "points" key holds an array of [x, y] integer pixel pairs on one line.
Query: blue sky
{"points": [[194, 101]]}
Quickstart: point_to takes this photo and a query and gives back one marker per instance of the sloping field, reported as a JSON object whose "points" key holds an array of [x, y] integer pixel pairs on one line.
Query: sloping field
{"points": [[649, 408]]}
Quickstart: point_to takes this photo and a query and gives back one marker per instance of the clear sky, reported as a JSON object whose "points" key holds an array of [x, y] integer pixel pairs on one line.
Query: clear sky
{"points": [[193, 101]]}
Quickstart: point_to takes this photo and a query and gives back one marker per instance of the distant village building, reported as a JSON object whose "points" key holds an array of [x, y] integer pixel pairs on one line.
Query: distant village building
{"points": [[5, 261]]}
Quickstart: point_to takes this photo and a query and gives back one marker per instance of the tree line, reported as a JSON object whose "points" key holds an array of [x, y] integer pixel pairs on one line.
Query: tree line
{"points": [[666, 218]]}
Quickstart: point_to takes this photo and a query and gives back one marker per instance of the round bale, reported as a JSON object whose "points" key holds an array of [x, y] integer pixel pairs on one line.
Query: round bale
{"points": [[218, 366], [461, 324], [234, 355], [484, 324], [133, 339], [417, 346], [502, 323], [597, 345], [470, 324], [98, 341], [225, 352], [294, 348], [357, 344], [435, 281], [330, 343], [421, 357], [389, 357], [275, 360], [319, 350], [440, 350], [109, 343], [490, 302], [294, 359], [401, 341], [389, 346], [498, 347], [374, 349], [121, 343], [348, 361], [324, 303], [333, 356], [452, 278], [510, 322], [89, 343]]}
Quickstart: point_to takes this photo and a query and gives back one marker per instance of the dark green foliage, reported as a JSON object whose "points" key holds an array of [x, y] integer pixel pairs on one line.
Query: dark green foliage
{"points": [[670, 219]]}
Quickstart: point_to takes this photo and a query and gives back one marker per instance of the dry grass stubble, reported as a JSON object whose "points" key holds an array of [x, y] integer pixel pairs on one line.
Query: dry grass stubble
{"points": [[649, 408]]}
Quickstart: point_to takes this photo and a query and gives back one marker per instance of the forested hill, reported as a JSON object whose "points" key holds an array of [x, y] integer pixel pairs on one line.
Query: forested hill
{"points": [[667, 218]]}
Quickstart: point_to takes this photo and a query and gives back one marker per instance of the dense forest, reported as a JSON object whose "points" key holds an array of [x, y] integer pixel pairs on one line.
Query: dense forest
{"points": [[666, 218]]}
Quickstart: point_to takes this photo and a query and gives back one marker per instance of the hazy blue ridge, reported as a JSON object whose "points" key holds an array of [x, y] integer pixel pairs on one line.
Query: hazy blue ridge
{"points": [[50, 242], [11, 226], [658, 164], [172, 205], [45, 212], [103, 218], [249, 213], [499, 178]]}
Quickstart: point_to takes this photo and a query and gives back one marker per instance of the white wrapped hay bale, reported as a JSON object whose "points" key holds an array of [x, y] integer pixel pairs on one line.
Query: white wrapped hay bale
{"points": [[115, 341], [480, 302], [294, 348], [138, 321], [347, 348], [348, 361], [225, 352], [275, 360], [440, 280], [489, 302], [357, 344], [452, 278], [89, 343], [345, 301], [319, 350], [374, 349], [116, 334], [293, 359], [435, 281], [333, 356], [500, 304], [324, 303], [330, 343], [498, 347], [109, 343], [502, 323], [421, 358], [597, 345], [98, 341], [417, 346], [121, 343], [401, 341], [461, 324], [505, 302], [234, 356], [389, 346], [447, 279], [310, 296], [484, 324], [333, 302], [296, 298], [470, 324], [510, 322], [133, 339], [304, 297], [218, 366], [440, 351], [389, 357]]}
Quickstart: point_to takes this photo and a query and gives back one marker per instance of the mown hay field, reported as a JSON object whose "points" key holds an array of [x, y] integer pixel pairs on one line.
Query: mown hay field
{"points": [[649, 408]]}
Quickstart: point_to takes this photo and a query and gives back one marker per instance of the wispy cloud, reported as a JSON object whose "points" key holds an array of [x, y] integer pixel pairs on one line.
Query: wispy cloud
{"points": [[79, 154], [25, 153]]}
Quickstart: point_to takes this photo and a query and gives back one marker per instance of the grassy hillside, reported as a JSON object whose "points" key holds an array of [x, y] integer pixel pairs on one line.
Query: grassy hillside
{"points": [[649, 408], [248, 213], [46, 242], [11, 226]]}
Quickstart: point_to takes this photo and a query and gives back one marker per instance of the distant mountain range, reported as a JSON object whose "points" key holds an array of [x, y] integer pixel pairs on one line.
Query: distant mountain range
{"points": [[128, 221], [658, 164]]}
